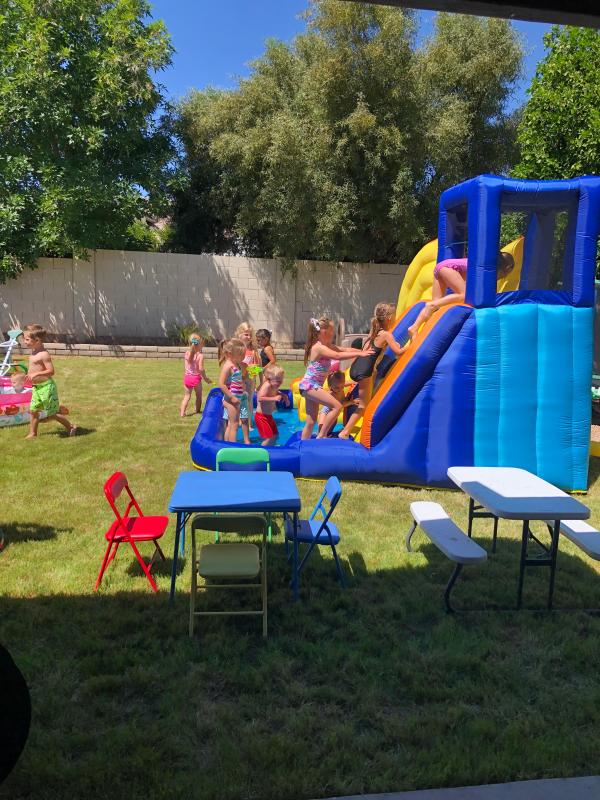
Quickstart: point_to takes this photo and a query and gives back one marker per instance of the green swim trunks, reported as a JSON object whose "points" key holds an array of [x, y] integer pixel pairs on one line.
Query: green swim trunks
{"points": [[44, 397]]}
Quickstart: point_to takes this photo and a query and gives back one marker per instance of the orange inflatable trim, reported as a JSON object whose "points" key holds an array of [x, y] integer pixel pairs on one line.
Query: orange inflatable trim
{"points": [[397, 369]]}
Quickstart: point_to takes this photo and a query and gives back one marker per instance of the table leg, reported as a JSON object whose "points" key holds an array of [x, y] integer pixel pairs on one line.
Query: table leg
{"points": [[471, 510], [180, 521], [524, 538], [295, 560], [182, 537], [553, 556]]}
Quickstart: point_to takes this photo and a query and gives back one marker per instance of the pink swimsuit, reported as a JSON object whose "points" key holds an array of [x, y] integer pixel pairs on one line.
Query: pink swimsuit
{"points": [[315, 374], [192, 375], [457, 264]]}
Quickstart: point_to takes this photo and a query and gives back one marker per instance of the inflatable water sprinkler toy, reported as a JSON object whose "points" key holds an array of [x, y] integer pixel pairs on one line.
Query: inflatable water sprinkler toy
{"points": [[502, 379]]}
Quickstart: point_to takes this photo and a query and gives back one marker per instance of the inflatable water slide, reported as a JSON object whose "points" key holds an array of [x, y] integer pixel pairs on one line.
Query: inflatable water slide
{"points": [[502, 379]]}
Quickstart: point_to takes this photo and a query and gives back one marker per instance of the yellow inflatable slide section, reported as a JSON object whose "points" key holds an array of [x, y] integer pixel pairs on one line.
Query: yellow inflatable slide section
{"points": [[418, 280]]}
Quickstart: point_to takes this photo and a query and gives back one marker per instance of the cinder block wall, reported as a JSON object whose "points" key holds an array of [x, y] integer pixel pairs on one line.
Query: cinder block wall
{"points": [[135, 297]]}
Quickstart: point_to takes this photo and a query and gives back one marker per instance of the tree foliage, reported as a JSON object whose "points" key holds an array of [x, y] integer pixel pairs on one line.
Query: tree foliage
{"points": [[82, 154], [559, 134], [337, 146]]}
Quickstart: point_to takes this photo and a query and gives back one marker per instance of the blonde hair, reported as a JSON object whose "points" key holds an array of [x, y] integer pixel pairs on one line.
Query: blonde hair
{"points": [[244, 327], [221, 350], [195, 335], [273, 371], [36, 331], [382, 314], [315, 326], [229, 347]]}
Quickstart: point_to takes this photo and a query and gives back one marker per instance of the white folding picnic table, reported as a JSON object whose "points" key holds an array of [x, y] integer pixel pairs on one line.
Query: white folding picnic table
{"points": [[512, 493]]}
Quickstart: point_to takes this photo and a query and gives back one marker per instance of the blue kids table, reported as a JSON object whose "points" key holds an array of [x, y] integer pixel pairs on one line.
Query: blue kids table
{"points": [[231, 491]]}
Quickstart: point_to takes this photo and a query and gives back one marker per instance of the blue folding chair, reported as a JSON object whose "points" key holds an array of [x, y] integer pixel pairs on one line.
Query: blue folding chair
{"points": [[316, 531]]}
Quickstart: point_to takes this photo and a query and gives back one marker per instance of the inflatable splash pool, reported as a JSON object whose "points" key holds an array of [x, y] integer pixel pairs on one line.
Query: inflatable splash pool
{"points": [[14, 406]]}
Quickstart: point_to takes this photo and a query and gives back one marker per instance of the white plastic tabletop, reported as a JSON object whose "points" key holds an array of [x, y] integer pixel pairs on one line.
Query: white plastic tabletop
{"points": [[512, 493]]}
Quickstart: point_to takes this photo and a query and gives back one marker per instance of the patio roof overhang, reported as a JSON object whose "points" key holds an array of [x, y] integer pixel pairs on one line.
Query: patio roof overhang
{"points": [[585, 13]]}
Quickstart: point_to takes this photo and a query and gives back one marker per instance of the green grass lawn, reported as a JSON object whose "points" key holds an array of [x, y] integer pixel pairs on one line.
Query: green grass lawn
{"points": [[370, 689]]}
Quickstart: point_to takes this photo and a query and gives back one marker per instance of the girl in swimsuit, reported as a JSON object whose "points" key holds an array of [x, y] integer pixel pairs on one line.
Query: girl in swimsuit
{"points": [[194, 373], [232, 384], [318, 355], [245, 332], [451, 274], [361, 371], [266, 352]]}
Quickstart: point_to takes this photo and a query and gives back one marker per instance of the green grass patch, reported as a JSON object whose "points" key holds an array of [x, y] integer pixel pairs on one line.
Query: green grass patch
{"points": [[371, 689]]}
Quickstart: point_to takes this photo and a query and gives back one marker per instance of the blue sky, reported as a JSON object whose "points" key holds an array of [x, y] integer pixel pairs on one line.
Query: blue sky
{"points": [[216, 40]]}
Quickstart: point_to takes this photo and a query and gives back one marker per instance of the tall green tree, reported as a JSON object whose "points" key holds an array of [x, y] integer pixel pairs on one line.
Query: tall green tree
{"points": [[559, 134], [337, 146], [82, 151]]}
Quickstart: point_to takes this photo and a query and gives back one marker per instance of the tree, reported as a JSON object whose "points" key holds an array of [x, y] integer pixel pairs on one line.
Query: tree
{"points": [[337, 146], [82, 152], [559, 134]]}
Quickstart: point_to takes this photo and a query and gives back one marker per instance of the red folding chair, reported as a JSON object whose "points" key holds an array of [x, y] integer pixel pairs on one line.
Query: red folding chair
{"points": [[133, 529]]}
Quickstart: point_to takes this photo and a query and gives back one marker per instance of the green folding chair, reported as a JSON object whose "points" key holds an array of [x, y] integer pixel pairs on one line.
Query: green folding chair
{"points": [[245, 457]]}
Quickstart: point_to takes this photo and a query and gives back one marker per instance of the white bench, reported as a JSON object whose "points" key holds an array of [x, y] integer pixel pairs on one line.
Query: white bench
{"points": [[583, 535], [447, 537]]}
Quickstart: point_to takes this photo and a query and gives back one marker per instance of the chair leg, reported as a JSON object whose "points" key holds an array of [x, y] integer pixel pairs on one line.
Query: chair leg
{"points": [[103, 566], [162, 555], [451, 582], [142, 564], [338, 566], [194, 584], [113, 555], [409, 536], [264, 586]]}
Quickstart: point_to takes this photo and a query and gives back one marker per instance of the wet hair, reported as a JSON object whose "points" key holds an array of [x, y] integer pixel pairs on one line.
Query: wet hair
{"points": [[195, 335], [382, 314], [315, 326], [336, 377], [263, 333], [506, 263], [273, 371], [36, 332], [231, 347]]}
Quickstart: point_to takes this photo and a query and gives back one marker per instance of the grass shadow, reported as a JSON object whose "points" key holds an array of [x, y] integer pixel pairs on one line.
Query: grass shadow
{"points": [[159, 568], [21, 532], [402, 689]]}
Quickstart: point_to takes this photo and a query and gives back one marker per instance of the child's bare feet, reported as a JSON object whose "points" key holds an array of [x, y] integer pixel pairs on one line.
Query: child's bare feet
{"points": [[73, 430], [31, 436]]}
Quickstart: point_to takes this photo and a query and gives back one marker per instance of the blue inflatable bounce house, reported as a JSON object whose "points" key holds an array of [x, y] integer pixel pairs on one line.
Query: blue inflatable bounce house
{"points": [[500, 380]]}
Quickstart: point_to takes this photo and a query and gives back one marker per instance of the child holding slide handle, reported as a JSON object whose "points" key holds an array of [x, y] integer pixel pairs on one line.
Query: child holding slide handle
{"points": [[361, 371], [318, 355], [451, 274]]}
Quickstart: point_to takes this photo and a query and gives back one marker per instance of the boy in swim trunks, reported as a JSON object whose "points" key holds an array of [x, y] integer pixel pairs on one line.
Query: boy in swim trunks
{"points": [[44, 396], [266, 400]]}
